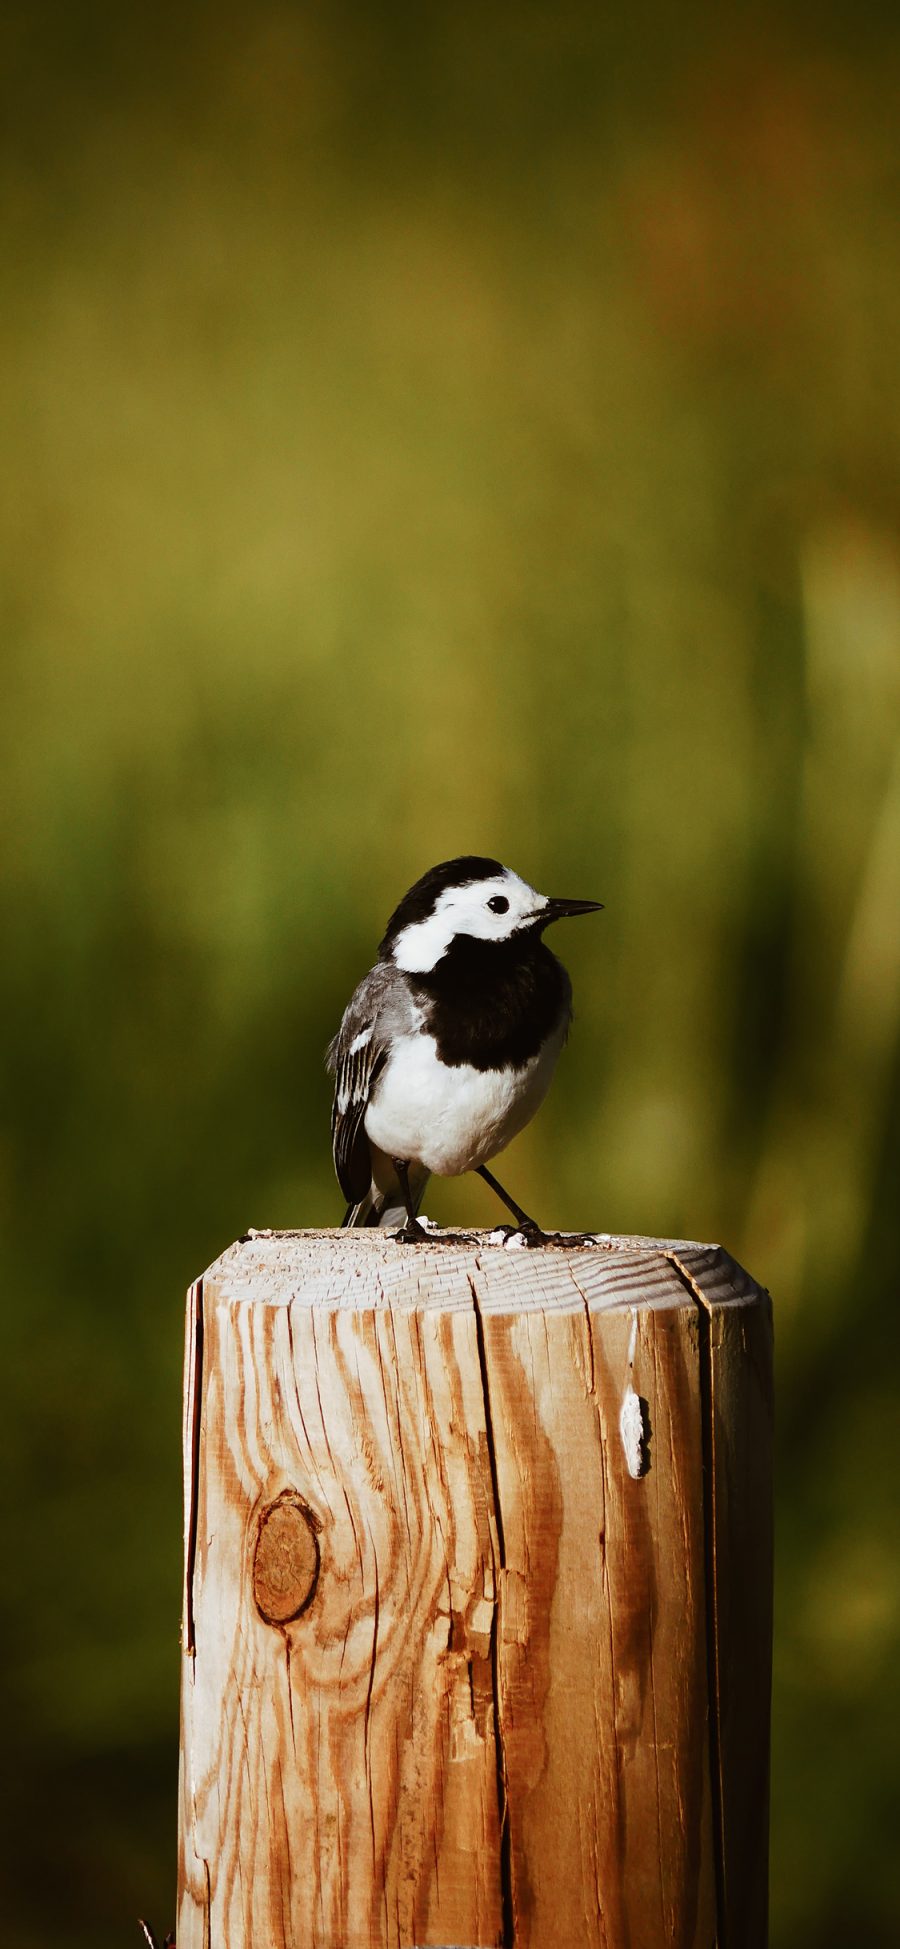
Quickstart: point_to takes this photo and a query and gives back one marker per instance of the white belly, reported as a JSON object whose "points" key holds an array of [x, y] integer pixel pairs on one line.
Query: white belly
{"points": [[452, 1120]]}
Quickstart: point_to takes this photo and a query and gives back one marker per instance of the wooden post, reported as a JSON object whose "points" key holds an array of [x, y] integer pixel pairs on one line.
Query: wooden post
{"points": [[477, 1610]]}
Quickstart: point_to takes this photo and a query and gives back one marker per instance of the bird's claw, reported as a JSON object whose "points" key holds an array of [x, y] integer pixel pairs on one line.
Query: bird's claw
{"points": [[529, 1231], [412, 1233]]}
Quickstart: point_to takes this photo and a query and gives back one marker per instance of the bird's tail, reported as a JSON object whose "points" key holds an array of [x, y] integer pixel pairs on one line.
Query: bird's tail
{"points": [[384, 1207], [367, 1212]]}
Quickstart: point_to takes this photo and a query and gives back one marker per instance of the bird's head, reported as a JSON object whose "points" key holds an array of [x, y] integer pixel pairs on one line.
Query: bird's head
{"points": [[473, 897]]}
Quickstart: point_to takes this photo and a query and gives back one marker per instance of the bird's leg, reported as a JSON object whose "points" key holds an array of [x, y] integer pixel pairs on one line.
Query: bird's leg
{"points": [[412, 1231], [529, 1226]]}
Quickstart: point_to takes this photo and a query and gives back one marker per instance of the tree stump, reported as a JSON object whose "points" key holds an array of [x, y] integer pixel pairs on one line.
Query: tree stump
{"points": [[477, 1608]]}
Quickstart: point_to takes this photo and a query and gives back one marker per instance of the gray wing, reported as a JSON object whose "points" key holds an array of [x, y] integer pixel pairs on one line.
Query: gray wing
{"points": [[379, 1010]]}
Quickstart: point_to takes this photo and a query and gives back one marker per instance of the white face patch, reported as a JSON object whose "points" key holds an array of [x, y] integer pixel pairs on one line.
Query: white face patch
{"points": [[467, 910]]}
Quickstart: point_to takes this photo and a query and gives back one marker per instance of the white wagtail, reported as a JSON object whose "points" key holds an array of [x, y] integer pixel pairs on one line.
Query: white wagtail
{"points": [[449, 1043]]}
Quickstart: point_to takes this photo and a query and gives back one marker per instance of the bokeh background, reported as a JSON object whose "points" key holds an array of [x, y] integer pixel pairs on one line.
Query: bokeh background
{"points": [[426, 431]]}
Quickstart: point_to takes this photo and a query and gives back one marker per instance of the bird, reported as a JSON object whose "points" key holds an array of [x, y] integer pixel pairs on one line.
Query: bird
{"points": [[448, 1045]]}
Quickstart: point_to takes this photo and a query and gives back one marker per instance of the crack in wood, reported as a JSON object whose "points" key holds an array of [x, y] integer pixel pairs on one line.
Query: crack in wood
{"points": [[367, 1716], [507, 1905]]}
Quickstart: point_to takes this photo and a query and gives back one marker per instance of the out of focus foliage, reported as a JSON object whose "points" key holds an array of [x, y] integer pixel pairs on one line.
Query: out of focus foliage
{"points": [[433, 430]]}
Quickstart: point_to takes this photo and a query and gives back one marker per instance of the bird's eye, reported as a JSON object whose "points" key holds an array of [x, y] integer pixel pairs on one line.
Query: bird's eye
{"points": [[499, 904]]}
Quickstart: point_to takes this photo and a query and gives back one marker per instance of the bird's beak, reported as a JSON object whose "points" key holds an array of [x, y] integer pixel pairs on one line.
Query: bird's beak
{"points": [[564, 909]]}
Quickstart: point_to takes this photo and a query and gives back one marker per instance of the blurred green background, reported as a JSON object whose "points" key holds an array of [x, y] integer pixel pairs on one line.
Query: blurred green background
{"points": [[430, 431]]}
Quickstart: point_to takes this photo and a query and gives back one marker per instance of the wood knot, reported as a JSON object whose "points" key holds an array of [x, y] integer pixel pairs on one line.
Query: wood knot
{"points": [[286, 1559]]}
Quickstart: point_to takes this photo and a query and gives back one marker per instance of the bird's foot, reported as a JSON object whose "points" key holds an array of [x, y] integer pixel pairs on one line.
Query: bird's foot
{"points": [[532, 1234], [412, 1233], [528, 1231]]}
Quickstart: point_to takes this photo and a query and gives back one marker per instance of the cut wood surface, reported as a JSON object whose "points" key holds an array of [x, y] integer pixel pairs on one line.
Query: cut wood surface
{"points": [[477, 1597]]}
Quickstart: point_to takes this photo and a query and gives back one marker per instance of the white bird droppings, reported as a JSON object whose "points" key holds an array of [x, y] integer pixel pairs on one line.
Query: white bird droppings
{"points": [[633, 1429]]}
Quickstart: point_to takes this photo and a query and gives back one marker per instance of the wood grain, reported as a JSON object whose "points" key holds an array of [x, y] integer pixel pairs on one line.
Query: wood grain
{"points": [[490, 1699]]}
